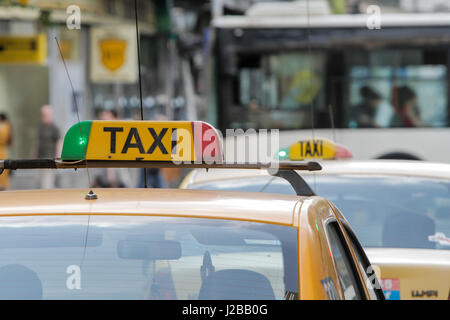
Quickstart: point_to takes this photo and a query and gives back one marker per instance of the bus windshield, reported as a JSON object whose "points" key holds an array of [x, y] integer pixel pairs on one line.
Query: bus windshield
{"points": [[350, 78]]}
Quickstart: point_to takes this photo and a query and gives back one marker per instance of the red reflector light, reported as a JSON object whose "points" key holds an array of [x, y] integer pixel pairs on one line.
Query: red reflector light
{"points": [[342, 153]]}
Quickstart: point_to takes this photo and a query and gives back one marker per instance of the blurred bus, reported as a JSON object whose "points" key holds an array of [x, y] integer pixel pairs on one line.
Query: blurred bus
{"points": [[270, 68]]}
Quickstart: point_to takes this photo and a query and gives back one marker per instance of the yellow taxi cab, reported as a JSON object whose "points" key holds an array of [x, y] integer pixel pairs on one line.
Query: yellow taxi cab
{"points": [[171, 244], [400, 210]]}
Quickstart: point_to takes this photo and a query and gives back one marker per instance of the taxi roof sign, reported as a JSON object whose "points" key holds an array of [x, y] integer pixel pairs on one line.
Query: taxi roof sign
{"points": [[142, 141], [319, 148], [146, 144]]}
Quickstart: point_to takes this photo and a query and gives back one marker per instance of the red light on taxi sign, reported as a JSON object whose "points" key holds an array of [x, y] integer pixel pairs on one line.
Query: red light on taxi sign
{"points": [[342, 153]]}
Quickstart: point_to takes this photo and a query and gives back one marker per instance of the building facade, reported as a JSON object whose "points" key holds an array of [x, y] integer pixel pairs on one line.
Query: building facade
{"points": [[34, 34]]}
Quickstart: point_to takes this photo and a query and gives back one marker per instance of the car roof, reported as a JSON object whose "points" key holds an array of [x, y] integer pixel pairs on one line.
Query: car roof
{"points": [[408, 256], [339, 167], [257, 207]]}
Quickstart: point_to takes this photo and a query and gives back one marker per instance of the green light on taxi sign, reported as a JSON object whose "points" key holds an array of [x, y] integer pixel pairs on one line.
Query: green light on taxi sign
{"points": [[283, 154], [75, 142]]}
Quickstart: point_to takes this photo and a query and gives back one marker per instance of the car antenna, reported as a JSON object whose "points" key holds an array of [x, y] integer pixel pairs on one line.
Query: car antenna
{"points": [[140, 76], [311, 101], [91, 194], [333, 127]]}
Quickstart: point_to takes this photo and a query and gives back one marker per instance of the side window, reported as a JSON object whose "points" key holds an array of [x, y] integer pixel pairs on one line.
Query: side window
{"points": [[368, 273], [397, 88], [345, 268]]}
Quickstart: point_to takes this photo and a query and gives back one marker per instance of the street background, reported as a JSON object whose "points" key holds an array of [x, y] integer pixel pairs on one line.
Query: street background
{"points": [[176, 56]]}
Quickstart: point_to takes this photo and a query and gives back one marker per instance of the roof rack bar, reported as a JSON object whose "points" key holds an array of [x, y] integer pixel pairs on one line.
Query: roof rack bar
{"points": [[300, 186], [57, 164], [28, 164]]}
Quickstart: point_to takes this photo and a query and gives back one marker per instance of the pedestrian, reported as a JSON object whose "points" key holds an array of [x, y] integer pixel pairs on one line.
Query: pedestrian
{"points": [[155, 179], [48, 145], [5, 143]]}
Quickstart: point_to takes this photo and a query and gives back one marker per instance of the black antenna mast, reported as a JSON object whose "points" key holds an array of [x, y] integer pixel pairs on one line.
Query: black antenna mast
{"points": [[308, 22], [140, 77], [91, 195]]}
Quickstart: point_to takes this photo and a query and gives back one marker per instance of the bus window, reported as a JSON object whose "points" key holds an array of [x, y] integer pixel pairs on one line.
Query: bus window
{"points": [[276, 90], [397, 88], [272, 78]]}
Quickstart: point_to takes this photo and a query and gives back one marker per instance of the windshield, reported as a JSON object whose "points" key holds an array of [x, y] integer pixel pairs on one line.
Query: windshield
{"points": [[384, 211], [145, 258]]}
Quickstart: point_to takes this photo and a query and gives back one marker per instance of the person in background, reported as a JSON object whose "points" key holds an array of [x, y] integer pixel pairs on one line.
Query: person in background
{"points": [[407, 113], [365, 111], [5, 143], [111, 177], [108, 115], [49, 145], [154, 179]]}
